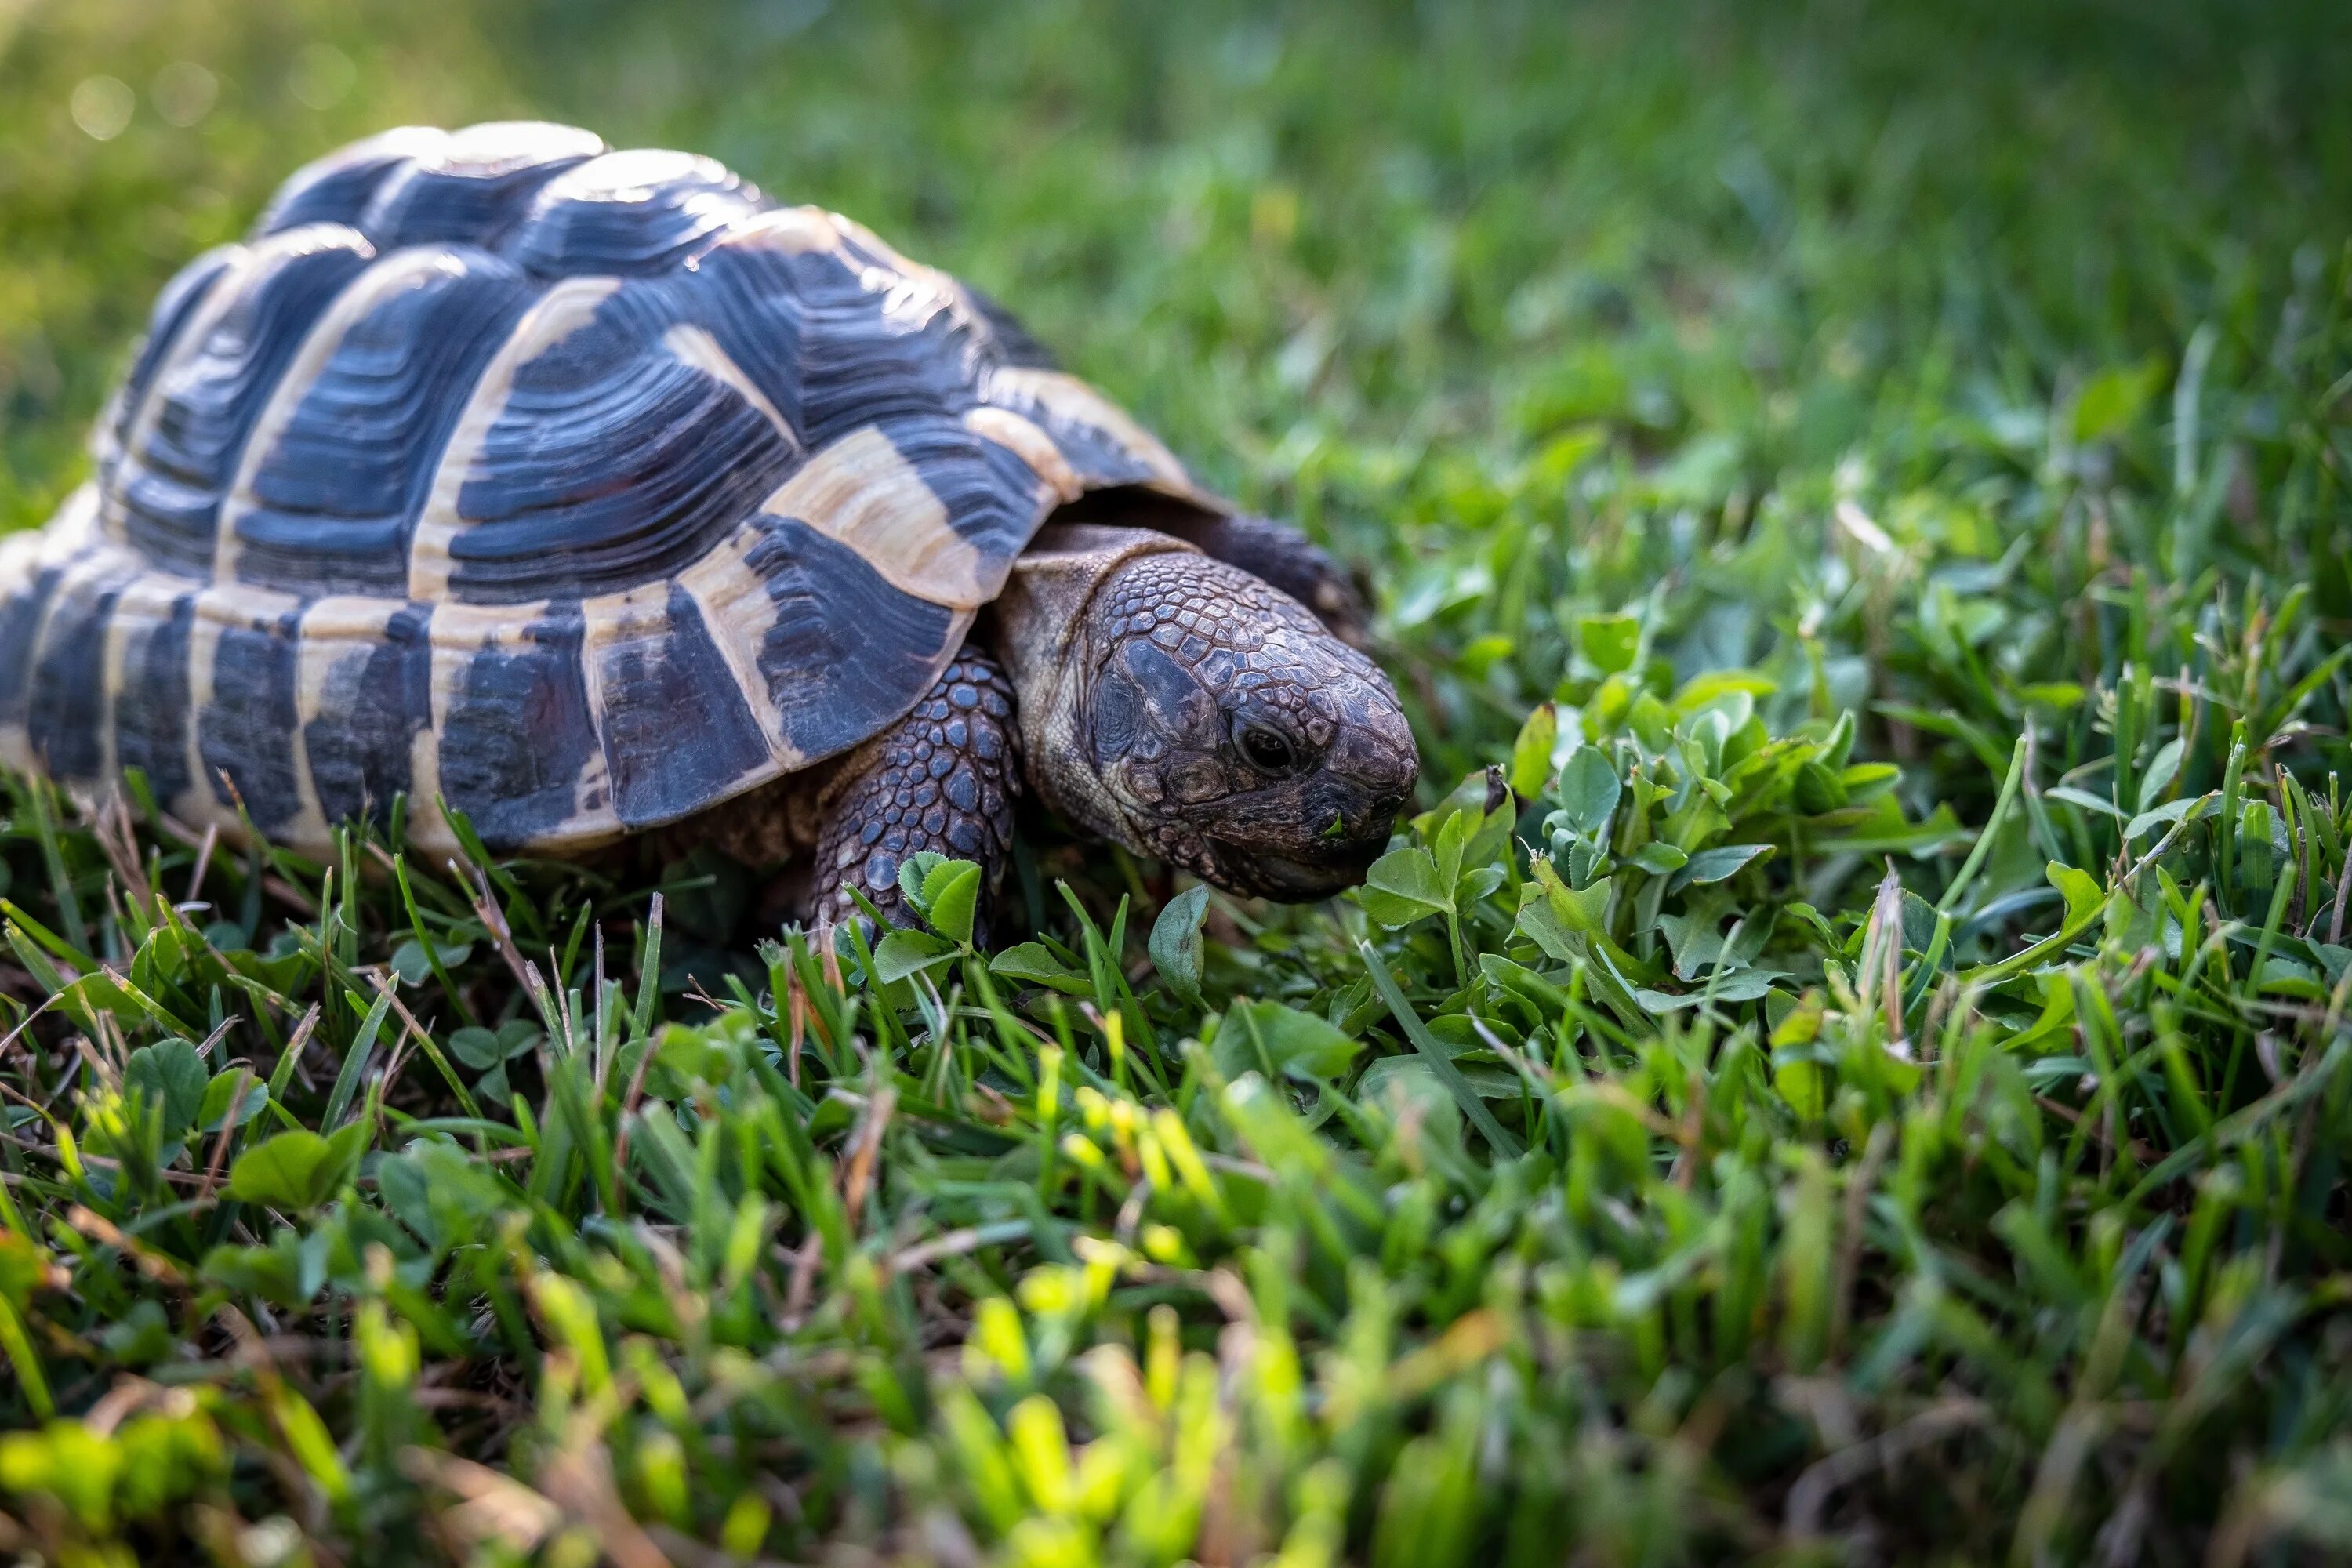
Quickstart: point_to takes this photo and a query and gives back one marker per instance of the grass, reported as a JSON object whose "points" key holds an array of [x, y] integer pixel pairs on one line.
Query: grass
{"points": [[1866, 1080]]}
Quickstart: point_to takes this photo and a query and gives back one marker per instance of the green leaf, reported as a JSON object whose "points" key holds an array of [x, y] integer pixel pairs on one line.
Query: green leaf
{"points": [[296, 1171], [1470, 826], [951, 899], [356, 1060], [1720, 863], [1550, 911], [169, 1075], [1446, 852], [2064, 695], [251, 1099], [1610, 642], [906, 952], [1701, 689], [415, 965], [1745, 985], [2283, 976], [2082, 891], [141, 1337], [1033, 963], [2162, 769], [1531, 753], [1798, 1080], [1817, 790], [2085, 799], [1482, 655], [483, 1049], [1695, 940], [476, 1047], [1176, 947], [914, 871], [1589, 791], [1864, 780], [1404, 886], [2114, 398], [1659, 857], [1540, 924], [1880, 829], [1271, 1037], [1497, 1136], [2188, 808], [273, 1273]]}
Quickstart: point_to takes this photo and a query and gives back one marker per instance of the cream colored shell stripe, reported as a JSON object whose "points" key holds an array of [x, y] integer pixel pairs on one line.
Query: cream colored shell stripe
{"points": [[858, 490]]}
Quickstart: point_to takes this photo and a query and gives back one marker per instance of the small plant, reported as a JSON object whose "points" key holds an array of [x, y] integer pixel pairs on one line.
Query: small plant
{"points": [[1847, 1060]]}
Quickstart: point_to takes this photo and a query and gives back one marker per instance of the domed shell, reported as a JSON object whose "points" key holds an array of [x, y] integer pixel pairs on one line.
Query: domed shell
{"points": [[578, 490]]}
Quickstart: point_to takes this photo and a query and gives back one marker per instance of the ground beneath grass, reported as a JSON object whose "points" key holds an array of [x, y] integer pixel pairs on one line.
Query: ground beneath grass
{"points": [[1865, 1078]]}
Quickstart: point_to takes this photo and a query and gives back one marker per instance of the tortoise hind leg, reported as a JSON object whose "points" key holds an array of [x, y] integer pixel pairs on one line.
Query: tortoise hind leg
{"points": [[944, 778]]}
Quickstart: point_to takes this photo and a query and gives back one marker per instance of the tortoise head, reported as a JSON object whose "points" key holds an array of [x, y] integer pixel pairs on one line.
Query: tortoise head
{"points": [[1204, 718]]}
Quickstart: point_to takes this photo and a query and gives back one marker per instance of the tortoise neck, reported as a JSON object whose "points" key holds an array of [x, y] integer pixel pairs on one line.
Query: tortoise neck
{"points": [[1044, 635]]}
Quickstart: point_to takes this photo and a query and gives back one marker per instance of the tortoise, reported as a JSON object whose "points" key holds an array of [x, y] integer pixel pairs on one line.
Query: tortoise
{"points": [[590, 494]]}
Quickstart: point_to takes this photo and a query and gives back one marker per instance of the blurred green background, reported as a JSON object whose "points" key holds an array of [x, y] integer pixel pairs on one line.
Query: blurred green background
{"points": [[1276, 231], [1969, 369], [1530, 306]]}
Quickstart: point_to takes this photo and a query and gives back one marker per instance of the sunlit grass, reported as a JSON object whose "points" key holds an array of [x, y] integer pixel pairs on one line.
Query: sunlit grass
{"points": [[1863, 1078]]}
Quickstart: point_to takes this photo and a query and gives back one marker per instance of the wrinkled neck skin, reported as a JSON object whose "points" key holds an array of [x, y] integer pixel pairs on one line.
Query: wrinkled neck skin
{"points": [[1045, 639], [1187, 710]]}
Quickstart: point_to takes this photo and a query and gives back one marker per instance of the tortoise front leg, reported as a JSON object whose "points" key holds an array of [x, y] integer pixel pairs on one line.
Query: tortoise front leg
{"points": [[943, 778]]}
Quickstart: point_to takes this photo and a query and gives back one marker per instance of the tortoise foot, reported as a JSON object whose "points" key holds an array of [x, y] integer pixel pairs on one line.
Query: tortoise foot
{"points": [[943, 779]]}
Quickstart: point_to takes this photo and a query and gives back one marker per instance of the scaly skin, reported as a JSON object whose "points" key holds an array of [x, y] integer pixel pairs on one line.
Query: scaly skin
{"points": [[943, 778], [1238, 738], [1276, 553], [1169, 702]]}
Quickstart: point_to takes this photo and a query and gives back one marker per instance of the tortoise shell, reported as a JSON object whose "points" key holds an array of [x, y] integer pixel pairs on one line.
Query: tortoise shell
{"points": [[579, 489]]}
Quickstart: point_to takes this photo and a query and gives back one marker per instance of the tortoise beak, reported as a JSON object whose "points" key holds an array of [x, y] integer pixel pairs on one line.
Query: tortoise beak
{"points": [[1294, 878]]}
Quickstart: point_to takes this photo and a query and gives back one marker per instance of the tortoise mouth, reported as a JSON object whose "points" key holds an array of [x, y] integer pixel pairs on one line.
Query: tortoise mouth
{"points": [[1292, 880]]}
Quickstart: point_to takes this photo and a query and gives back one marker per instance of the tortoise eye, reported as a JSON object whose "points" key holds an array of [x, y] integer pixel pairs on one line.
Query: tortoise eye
{"points": [[1269, 751]]}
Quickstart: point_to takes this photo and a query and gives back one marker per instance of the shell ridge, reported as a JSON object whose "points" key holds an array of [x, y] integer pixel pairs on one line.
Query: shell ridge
{"points": [[182, 452], [179, 302], [562, 311], [670, 490], [340, 466], [402, 269], [362, 694]]}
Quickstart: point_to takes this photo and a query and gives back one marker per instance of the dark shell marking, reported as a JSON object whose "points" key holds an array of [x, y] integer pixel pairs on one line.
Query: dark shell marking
{"points": [[162, 495], [584, 489], [336, 482], [373, 700]]}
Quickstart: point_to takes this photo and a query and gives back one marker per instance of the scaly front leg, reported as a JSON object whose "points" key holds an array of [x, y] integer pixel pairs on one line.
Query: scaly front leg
{"points": [[943, 778]]}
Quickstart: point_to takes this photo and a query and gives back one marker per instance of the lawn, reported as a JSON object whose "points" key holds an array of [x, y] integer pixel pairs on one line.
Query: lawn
{"points": [[1848, 1064]]}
